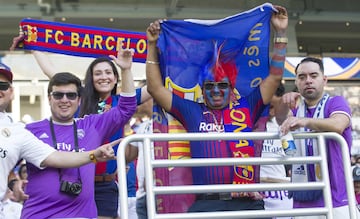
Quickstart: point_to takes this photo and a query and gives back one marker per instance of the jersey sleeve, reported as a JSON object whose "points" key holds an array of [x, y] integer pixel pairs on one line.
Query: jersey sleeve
{"points": [[184, 110], [338, 104], [34, 150]]}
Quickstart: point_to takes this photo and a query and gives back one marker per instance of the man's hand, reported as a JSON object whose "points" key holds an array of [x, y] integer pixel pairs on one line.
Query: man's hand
{"points": [[106, 152], [17, 40], [153, 31], [292, 123], [279, 20], [18, 190], [291, 99], [124, 58]]}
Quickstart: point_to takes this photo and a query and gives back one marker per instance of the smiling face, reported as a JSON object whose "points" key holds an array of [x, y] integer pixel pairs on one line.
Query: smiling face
{"points": [[63, 107], [310, 81], [217, 94], [104, 79]]}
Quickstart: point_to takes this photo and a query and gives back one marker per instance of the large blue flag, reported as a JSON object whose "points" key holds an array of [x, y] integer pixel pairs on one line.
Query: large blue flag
{"points": [[187, 46]]}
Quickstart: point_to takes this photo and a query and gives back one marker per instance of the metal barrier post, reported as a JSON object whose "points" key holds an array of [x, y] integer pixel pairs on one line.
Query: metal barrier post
{"points": [[325, 176]]}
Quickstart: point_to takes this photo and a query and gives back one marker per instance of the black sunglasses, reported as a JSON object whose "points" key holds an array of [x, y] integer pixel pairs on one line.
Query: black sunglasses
{"points": [[220, 85], [4, 85], [59, 95]]}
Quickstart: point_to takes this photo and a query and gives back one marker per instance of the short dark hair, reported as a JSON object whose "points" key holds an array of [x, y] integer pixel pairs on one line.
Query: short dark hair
{"points": [[64, 78], [311, 59], [280, 91]]}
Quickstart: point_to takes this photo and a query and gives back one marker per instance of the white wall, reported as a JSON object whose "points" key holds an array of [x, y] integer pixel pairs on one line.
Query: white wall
{"points": [[24, 66]]}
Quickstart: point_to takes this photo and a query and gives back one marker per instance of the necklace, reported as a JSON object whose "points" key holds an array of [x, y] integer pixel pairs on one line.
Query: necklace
{"points": [[218, 127], [104, 105]]}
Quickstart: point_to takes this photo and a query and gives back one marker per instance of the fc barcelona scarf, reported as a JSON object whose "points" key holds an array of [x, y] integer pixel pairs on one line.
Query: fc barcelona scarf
{"points": [[237, 119], [78, 40]]}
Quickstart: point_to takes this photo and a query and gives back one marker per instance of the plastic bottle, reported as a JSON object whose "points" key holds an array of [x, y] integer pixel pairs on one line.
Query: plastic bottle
{"points": [[288, 144]]}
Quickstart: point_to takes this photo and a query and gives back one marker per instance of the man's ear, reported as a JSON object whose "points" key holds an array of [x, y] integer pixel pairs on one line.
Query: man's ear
{"points": [[49, 98], [79, 101], [325, 79]]}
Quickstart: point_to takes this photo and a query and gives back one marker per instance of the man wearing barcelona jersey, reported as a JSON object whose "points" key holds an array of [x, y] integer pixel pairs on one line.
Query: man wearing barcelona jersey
{"points": [[222, 108]]}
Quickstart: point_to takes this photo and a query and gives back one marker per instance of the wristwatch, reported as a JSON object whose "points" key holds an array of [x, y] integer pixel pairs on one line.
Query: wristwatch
{"points": [[280, 40], [92, 157]]}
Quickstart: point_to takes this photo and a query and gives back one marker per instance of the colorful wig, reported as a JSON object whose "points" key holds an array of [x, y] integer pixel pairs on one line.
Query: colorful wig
{"points": [[219, 66]]}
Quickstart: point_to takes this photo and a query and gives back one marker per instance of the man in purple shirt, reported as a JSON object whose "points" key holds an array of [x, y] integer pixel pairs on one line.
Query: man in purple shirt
{"points": [[69, 193], [318, 111], [17, 143]]}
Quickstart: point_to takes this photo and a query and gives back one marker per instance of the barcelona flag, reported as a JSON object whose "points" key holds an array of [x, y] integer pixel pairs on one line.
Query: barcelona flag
{"points": [[80, 40]]}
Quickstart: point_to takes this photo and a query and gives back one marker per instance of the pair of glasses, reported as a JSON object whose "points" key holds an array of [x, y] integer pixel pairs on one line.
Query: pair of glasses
{"points": [[4, 85], [220, 85], [59, 95]]}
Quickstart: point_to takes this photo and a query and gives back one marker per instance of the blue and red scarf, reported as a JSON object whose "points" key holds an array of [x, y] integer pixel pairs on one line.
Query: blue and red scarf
{"points": [[79, 40]]}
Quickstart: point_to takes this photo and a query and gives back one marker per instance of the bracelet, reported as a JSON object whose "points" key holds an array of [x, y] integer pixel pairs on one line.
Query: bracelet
{"points": [[152, 62], [280, 40], [92, 157]]}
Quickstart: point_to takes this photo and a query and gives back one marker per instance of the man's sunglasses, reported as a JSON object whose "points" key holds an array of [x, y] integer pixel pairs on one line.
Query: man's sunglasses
{"points": [[59, 95], [220, 85], [4, 85]]}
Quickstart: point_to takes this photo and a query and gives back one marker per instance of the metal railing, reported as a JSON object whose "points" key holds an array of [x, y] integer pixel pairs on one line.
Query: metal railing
{"points": [[153, 190]]}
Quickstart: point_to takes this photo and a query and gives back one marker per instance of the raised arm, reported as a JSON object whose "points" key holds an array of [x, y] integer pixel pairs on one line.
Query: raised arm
{"points": [[45, 63], [279, 22], [41, 58], [154, 82], [124, 61]]}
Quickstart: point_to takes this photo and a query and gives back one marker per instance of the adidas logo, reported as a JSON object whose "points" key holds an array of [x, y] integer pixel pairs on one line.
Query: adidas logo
{"points": [[43, 135]]}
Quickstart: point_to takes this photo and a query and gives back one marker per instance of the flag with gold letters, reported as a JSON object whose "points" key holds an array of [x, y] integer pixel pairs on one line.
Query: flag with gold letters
{"points": [[80, 40]]}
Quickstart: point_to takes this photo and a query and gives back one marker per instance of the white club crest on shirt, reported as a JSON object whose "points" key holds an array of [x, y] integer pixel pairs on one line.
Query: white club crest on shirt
{"points": [[81, 133], [5, 132]]}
